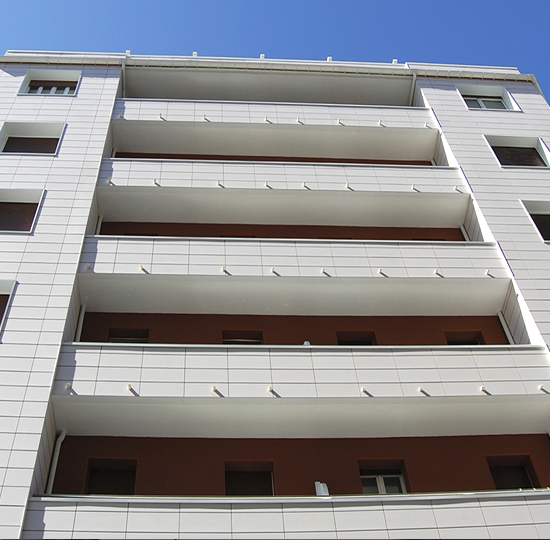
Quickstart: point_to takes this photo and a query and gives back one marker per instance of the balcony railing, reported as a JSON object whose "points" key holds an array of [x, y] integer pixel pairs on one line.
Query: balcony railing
{"points": [[451, 515]]}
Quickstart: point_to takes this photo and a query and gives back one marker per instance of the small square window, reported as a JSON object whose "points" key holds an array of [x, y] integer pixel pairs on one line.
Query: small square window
{"points": [[389, 482], [512, 472], [487, 96], [18, 209], [353, 338], [242, 337], [111, 477], [249, 478], [128, 335]]}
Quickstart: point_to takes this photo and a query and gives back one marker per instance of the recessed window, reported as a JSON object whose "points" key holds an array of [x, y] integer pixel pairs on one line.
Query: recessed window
{"points": [[389, 482], [464, 337], [30, 138], [477, 102], [50, 82], [542, 221], [111, 477], [519, 151], [66, 88], [513, 472], [17, 216], [128, 335], [242, 337], [350, 338], [249, 478], [521, 157], [487, 96], [18, 209]]}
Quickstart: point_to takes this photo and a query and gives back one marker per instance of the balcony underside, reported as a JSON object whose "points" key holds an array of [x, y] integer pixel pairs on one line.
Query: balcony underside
{"points": [[273, 417]]}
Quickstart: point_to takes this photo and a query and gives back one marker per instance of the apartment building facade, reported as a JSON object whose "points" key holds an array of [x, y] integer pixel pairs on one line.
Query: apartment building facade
{"points": [[266, 298]]}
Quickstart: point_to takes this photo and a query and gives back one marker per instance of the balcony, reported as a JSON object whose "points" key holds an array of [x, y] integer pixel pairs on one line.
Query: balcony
{"points": [[460, 515]]}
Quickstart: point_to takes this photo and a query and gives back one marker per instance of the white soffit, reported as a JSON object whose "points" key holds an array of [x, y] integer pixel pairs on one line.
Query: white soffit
{"points": [[267, 86], [264, 139], [225, 294], [281, 207], [300, 418]]}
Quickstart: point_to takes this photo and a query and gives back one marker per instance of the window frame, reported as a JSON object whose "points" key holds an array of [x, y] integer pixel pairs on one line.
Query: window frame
{"points": [[481, 102], [381, 484]]}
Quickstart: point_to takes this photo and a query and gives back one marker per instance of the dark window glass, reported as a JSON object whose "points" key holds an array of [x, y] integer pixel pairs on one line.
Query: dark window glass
{"points": [[393, 484], [111, 477], [523, 157], [464, 337], [128, 335], [493, 103], [242, 337], [350, 337], [542, 221], [31, 145], [4, 299], [248, 483], [17, 216], [370, 485], [511, 477]]}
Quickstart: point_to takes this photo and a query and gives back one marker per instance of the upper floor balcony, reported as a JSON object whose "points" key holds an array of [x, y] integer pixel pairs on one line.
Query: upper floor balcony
{"points": [[508, 514], [272, 81]]}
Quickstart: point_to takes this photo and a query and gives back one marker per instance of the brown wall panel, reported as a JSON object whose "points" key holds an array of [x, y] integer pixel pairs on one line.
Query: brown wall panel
{"points": [[290, 159], [290, 330], [237, 230], [197, 466]]}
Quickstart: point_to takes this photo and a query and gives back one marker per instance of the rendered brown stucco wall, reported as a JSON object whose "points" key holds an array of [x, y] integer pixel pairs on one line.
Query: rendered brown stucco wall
{"points": [[197, 466], [238, 230], [289, 330]]}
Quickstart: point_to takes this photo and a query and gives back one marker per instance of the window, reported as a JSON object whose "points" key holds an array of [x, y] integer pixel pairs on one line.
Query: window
{"points": [[464, 337], [512, 472], [7, 290], [474, 102], [111, 477], [487, 96], [519, 151], [18, 209], [523, 157], [50, 82], [389, 482], [128, 335], [350, 337], [542, 221], [30, 138], [31, 145], [242, 337], [249, 478], [17, 216], [63, 88]]}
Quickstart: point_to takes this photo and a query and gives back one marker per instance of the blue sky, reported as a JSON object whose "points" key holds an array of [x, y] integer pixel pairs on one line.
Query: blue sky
{"points": [[482, 32]]}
